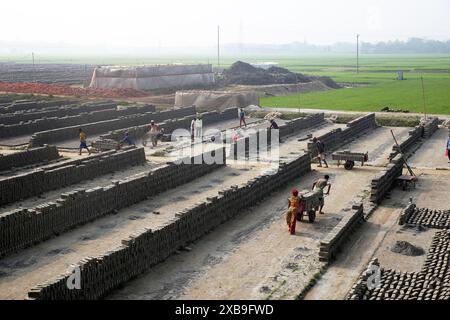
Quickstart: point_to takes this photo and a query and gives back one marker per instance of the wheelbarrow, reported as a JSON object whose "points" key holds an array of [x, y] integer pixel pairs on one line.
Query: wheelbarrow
{"points": [[350, 158], [311, 201]]}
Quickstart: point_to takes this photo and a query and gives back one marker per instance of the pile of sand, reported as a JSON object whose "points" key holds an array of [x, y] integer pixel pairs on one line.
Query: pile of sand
{"points": [[407, 249]]}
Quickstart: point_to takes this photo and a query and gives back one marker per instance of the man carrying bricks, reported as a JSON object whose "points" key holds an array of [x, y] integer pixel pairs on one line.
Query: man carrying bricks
{"points": [[242, 118], [321, 152], [318, 187], [83, 144], [127, 139]]}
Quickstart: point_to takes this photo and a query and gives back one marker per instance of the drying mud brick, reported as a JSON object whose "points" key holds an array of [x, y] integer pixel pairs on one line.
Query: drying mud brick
{"points": [[53, 122], [66, 173], [24, 227], [67, 133], [338, 137], [30, 156], [330, 246], [144, 249], [431, 283], [384, 180]]}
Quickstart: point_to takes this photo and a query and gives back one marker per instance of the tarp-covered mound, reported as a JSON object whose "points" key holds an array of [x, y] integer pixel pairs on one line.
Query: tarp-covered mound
{"points": [[217, 100], [152, 77]]}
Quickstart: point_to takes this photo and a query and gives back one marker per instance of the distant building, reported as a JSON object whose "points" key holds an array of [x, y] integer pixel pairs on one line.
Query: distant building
{"points": [[400, 75]]}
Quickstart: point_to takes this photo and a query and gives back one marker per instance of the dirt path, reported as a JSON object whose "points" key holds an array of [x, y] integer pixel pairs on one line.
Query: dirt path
{"points": [[377, 236]]}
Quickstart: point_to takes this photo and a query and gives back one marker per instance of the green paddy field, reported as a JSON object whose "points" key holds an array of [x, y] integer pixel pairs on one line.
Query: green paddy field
{"points": [[376, 88]]}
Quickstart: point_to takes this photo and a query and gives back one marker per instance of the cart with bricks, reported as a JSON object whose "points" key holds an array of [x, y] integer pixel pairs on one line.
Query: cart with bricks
{"points": [[350, 158], [311, 202]]}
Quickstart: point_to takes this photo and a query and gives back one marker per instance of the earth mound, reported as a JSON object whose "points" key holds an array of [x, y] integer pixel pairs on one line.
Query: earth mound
{"points": [[245, 74], [407, 249]]}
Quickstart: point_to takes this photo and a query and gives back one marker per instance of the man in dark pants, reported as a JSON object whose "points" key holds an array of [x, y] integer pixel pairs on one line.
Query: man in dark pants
{"points": [[321, 152]]}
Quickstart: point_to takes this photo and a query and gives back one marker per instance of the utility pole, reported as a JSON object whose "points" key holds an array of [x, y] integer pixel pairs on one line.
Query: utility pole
{"points": [[218, 46], [357, 53], [423, 97], [34, 69]]}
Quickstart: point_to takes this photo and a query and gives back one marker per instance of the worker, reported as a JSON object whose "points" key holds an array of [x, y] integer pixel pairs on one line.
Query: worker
{"points": [[153, 130], [242, 118], [294, 204], [448, 148], [273, 124], [318, 187], [127, 139], [198, 127], [321, 152], [193, 128], [83, 144]]}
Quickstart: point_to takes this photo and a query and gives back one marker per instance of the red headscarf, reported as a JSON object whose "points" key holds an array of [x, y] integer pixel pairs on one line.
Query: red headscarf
{"points": [[294, 192]]}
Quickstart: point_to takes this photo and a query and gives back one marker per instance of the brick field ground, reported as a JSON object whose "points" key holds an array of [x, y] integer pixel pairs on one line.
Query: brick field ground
{"points": [[251, 256]]}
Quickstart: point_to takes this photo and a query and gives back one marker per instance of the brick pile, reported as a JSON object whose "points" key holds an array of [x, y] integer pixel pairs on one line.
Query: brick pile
{"points": [[439, 219], [169, 125], [431, 283], [296, 125], [430, 126], [31, 156], [405, 145], [24, 227], [22, 105], [145, 248], [59, 111], [66, 173], [249, 147], [338, 137], [384, 180], [333, 242], [67, 133], [50, 123]]}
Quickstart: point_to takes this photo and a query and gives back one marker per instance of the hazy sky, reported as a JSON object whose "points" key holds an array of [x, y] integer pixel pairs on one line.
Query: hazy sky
{"points": [[194, 22]]}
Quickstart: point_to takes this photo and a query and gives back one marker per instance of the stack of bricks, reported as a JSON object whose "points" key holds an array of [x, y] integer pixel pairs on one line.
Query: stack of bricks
{"points": [[405, 145], [24, 227], [430, 126], [296, 125], [60, 111], [67, 133], [406, 213], [430, 218], [250, 147], [254, 145], [431, 283], [333, 242], [170, 125], [66, 173], [145, 248], [338, 137], [21, 105], [50, 123], [384, 180], [31, 156]]}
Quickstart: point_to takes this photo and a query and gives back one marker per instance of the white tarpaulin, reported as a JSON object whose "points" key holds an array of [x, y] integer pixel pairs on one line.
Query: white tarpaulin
{"points": [[216, 100], [152, 77]]}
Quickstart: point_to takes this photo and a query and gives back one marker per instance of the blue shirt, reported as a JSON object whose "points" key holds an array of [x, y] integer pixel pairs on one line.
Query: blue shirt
{"points": [[128, 140], [448, 144]]}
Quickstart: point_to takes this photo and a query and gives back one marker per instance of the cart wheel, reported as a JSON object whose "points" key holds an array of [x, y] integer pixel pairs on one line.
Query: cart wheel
{"points": [[312, 216], [349, 164], [300, 216]]}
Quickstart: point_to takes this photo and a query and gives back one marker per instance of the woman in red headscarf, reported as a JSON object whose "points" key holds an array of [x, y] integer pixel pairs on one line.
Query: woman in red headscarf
{"points": [[294, 204]]}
